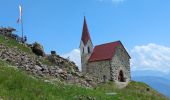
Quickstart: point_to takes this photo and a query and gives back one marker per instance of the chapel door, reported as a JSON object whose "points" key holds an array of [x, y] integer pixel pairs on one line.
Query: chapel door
{"points": [[121, 76]]}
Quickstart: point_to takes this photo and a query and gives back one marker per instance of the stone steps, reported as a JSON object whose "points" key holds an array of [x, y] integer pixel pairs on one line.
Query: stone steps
{"points": [[121, 85]]}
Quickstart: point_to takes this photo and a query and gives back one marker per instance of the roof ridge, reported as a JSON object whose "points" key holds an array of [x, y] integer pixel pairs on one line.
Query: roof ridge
{"points": [[108, 43]]}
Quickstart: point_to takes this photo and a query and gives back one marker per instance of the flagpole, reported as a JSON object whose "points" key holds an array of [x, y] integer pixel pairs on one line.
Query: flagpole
{"points": [[20, 20], [22, 26]]}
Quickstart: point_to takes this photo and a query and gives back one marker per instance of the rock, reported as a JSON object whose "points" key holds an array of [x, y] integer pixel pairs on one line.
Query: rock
{"points": [[27, 68], [57, 75], [38, 63], [82, 97], [34, 71], [59, 71], [63, 76], [113, 93], [77, 74], [40, 73], [52, 71], [38, 68], [1, 98], [45, 69], [38, 49], [69, 77], [47, 81], [89, 80]]}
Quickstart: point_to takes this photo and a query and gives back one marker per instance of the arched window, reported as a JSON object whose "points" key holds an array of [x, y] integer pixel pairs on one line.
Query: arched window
{"points": [[88, 49], [83, 50]]}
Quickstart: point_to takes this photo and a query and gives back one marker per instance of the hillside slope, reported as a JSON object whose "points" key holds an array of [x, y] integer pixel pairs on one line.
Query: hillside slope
{"points": [[15, 84], [160, 84], [50, 66], [23, 75]]}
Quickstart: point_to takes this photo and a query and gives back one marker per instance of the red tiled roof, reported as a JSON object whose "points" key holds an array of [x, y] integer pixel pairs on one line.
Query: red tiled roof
{"points": [[85, 33], [104, 51]]}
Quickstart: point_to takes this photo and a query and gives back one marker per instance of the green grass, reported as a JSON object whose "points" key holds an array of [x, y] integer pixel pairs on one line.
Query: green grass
{"points": [[45, 61], [13, 43], [15, 84], [134, 91]]}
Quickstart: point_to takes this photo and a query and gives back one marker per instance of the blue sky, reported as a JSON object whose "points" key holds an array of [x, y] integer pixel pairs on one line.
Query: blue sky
{"points": [[57, 24]]}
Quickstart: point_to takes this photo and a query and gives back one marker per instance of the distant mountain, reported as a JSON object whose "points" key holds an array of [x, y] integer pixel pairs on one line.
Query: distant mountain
{"points": [[160, 84], [149, 73]]}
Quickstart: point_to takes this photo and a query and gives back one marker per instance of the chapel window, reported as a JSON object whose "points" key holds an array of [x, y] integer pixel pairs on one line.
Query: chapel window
{"points": [[83, 49], [88, 49]]}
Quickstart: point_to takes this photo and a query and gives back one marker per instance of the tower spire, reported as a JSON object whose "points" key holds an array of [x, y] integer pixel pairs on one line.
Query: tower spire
{"points": [[85, 33], [86, 47]]}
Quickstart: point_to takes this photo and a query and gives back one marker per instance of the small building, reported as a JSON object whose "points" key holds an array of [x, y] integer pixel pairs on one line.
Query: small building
{"points": [[105, 62], [7, 31], [10, 32]]}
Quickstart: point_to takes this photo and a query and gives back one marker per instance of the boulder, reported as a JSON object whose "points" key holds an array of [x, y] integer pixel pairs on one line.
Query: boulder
{"points": [[38, 49], [59, 71], [38, 68]]}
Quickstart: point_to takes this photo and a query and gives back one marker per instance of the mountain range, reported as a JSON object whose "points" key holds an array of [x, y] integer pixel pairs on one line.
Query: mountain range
{"points": [[157, 80]]}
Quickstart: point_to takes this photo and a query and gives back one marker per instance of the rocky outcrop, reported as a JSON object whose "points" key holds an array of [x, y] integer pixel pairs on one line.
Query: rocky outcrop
{"points": [[62, 69], [38, 49], [64, 63]]}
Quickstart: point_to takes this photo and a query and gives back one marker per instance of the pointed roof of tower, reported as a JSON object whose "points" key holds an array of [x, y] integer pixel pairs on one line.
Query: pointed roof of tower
{"points": [[85, 33]]}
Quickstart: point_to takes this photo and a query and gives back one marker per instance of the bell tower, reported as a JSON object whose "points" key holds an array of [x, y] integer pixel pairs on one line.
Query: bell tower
{"points": [[86, 47]]}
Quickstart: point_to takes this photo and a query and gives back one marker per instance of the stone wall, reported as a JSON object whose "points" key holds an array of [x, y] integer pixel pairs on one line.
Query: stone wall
{"points": [[100, 70], [120, 61]]}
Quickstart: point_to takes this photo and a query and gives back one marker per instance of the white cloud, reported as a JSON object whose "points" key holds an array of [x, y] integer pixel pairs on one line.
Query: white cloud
{"points": [[151, 57], [74, 55]]}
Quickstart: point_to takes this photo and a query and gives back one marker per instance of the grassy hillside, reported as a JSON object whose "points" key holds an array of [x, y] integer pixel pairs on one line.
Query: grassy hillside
{"points": [[161, 84], [134, 91], [15, 84], [13, 43]]}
